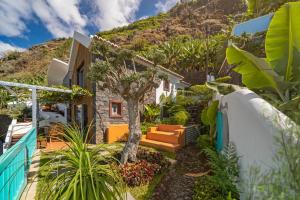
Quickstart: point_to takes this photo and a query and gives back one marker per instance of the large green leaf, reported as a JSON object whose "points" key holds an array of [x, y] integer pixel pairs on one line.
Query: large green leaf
{"points": [[252, 6], [212, 112], [208, 115], [283, 41], [256, 72]]}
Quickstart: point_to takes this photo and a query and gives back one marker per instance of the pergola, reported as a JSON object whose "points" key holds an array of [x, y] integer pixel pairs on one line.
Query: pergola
{"points": [[34, 89]]}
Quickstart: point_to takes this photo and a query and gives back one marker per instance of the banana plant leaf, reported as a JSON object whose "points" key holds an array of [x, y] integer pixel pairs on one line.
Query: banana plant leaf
{"points": [[292, 105], [208, 115], [222, 88], [283, 42], [252, 5], [256, 72]]}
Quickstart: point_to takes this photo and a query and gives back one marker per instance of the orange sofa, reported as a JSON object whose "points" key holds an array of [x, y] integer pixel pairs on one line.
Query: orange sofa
{"points": [[173, 134], [117, 132]]}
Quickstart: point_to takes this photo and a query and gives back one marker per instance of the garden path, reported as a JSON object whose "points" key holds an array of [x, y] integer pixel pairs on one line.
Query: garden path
{"points": [[179, 182]]}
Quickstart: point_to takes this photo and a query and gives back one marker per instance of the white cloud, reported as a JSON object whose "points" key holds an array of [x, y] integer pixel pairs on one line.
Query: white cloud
{"points": [[5, 47], [61, 18], [109, 14], [12, 15], [165, 5]]}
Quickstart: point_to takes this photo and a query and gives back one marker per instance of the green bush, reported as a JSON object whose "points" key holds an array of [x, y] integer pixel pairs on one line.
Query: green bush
{"points": [[224, 167], [203, 142], [205, 190], [13, 55], [222, 184], [145, 126], [180, 117], [151, 113]]}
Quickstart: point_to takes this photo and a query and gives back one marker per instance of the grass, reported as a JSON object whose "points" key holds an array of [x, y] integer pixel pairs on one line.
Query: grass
{"points": [[44, 158], [144, 192]]}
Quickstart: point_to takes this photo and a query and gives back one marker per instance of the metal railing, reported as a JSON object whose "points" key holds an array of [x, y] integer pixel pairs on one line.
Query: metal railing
{"points": [[14, 166]]}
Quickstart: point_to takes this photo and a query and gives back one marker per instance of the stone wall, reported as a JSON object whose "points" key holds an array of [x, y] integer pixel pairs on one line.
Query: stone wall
{"points": [[103, 120], [191, 134]]}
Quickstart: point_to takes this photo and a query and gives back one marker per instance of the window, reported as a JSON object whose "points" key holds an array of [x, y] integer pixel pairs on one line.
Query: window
{"points": [[115, 109], [80, 75], [166, 85], [81, 115]]}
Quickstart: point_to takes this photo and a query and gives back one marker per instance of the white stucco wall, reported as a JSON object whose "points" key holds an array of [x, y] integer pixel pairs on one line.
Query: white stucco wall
{"points": [[174, 85], [253, 123]]}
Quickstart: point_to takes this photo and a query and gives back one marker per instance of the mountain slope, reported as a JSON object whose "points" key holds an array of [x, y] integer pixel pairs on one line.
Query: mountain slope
{"points": [[189, 19], [31, 66]]}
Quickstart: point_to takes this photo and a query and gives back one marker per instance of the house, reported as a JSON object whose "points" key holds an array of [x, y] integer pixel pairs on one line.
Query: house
{"points": [[103, 108]]}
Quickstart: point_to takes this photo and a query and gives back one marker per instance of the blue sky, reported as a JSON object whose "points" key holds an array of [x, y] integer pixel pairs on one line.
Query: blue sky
{"points": [[27, 22]]}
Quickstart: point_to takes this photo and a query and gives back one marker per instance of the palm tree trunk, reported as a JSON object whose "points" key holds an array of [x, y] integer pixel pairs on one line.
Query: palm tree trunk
{"points": [[135, 133]]}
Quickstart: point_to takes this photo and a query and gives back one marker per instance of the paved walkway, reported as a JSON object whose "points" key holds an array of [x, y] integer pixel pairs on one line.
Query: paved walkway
{"points": [[30, 189], [179, 182]]}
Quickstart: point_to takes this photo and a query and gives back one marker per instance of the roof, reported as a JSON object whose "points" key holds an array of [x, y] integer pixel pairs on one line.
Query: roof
{"points": [[57, 71], [86, 41]]}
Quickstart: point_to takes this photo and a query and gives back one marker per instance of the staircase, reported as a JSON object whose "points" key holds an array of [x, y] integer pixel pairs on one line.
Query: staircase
{"points": [[16, 132], [164, 138]]}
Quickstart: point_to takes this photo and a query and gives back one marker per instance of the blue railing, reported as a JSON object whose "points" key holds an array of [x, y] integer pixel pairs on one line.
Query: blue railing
{"points": [[14, 166]]}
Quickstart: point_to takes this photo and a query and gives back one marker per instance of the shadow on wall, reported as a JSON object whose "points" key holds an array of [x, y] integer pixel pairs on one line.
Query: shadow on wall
{"points": [[5, 121], [253, 124]]}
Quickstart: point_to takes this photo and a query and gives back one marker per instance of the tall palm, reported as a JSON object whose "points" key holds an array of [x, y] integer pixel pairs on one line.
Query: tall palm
{"points": [[80, 172]]}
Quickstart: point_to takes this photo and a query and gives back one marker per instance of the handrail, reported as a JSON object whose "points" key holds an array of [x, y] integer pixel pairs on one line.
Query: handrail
{"points": [[8, 137], [14, 166]]}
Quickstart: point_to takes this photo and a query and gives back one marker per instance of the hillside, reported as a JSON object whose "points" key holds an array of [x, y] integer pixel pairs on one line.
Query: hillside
{"points": [[31, 66], [192, 20], [188, 19]]}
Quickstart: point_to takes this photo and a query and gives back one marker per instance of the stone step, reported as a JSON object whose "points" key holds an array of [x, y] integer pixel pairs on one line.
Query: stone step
{"points": [[160, 145], [167, 137]]}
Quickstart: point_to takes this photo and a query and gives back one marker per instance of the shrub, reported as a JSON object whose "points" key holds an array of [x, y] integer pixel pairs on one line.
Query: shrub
{"points": [[180, 117], [12, 55], [203, 142], [153, 157], [145, 126], [141, 172], [224, 168], [151, 112], [205, 190], [139, 44]]}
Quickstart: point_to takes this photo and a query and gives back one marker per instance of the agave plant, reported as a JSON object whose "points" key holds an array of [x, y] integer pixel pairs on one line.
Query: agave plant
{"points": [[80, 172], [280, 70]]}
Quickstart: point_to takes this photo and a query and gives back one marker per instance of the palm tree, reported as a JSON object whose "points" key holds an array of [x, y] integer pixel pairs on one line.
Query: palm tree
{"points": [[80, 172]]}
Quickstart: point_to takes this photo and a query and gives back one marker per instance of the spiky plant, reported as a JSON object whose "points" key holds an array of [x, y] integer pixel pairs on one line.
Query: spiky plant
{"points": [[80, 172], [224, 167]]}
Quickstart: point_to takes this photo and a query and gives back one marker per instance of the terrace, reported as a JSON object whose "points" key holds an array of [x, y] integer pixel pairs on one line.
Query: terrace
{"points": [[215, 140]]}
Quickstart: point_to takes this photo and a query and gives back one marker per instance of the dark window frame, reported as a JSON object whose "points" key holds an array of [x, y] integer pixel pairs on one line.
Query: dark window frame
{"points": [[166, 85], [111, 115], [80, 75]]}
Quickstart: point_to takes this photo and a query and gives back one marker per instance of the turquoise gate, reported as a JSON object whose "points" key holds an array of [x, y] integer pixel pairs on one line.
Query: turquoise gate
{"points": [[14, 166]]}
